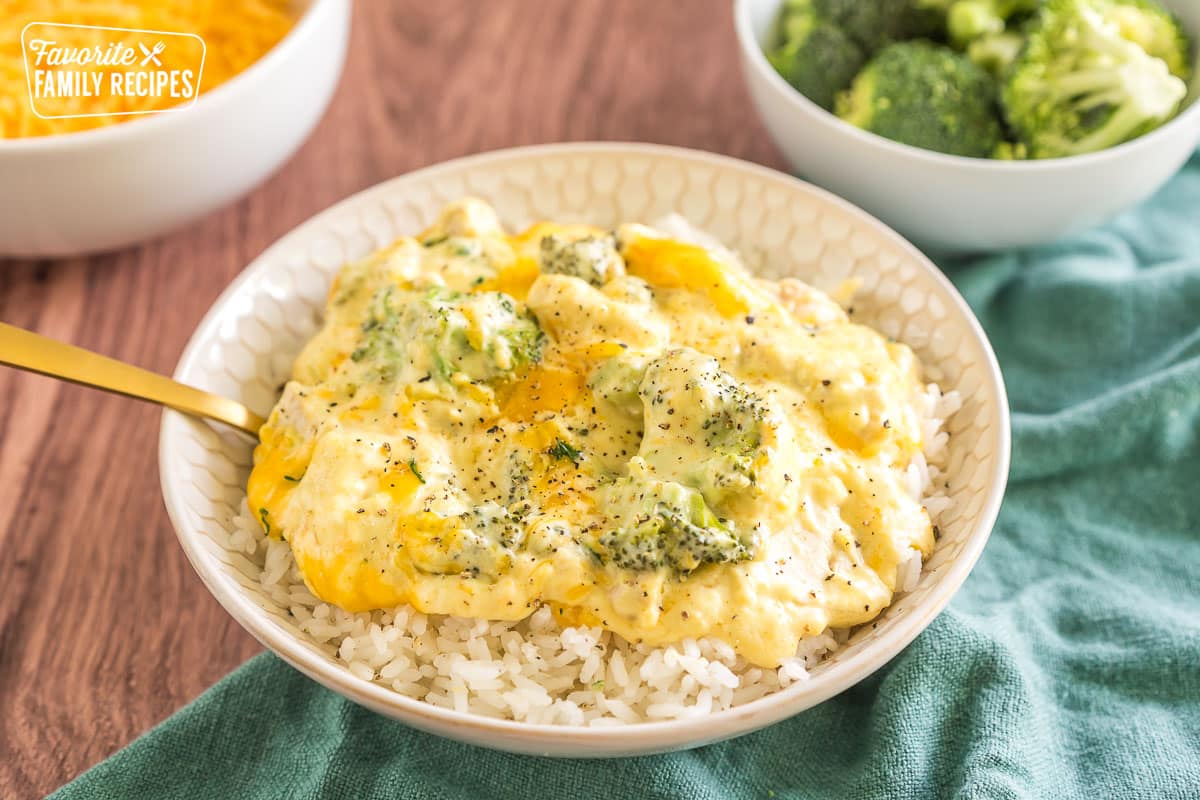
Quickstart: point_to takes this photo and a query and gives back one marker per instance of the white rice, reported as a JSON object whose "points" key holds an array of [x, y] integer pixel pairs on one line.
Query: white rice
{"points": [[534, 671]]}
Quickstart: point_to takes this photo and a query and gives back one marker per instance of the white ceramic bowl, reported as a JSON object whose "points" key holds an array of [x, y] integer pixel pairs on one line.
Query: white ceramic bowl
{"points": [[106, 188], [955, 203], [244, 348]]}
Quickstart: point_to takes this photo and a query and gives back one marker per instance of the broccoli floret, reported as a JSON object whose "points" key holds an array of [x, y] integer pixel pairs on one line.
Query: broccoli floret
{"points": [[877, 23], [665, 524], [996, 52], [967, 20], [616, 381], [1080, 86], [1154, 29], [820, 45], [593, 258], [434, 334], [1011, 151], [814, 55], [928, 96], [479, 543], [702, 427]]}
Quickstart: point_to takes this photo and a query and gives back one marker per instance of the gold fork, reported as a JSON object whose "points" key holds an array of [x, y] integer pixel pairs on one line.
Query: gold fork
{"points": [[36, 353]]}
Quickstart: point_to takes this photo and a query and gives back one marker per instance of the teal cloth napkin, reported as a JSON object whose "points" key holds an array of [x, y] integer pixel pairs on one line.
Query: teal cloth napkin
{"points": [[1068, 665]]}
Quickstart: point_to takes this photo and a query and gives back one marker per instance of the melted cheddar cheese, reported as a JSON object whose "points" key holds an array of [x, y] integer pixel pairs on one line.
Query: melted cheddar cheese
{"points": [[626, 427]]}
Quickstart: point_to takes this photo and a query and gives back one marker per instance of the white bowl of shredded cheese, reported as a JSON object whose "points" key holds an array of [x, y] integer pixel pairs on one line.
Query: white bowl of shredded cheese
{"points": [[101, 189], [533, 684]]}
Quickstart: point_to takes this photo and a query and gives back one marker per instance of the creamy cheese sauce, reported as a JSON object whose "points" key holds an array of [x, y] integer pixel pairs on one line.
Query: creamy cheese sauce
{"points": [[628, 428]]}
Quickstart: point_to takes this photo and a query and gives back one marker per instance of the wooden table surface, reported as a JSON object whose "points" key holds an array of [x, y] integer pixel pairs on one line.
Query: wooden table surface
{"points": [[104, 628]]}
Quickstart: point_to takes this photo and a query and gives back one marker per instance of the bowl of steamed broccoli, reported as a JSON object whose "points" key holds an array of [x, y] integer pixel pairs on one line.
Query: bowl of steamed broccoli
{"points": [[978, 124]]}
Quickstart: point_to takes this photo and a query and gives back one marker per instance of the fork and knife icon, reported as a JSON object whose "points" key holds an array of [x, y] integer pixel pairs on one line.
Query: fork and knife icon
{"points": [[152, 55]]}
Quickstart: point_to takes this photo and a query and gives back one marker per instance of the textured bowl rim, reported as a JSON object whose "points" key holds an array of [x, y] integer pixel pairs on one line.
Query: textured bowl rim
{"points": [[752, 54], [150, 124], [644, 737]]}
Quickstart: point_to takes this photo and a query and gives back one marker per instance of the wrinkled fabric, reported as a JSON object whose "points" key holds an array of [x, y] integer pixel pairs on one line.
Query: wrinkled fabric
{"points": [[1067, 666]]}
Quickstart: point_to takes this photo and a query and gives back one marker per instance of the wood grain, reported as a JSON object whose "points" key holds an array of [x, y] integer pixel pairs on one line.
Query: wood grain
{"points": [[104, 628]]}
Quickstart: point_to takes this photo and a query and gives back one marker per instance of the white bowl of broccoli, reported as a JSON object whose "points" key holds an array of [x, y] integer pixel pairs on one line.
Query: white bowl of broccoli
{"points": [[979, 124]]}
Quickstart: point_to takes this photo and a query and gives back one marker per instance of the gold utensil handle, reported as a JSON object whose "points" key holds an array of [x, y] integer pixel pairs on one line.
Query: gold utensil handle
{"points": [[36, 353]]}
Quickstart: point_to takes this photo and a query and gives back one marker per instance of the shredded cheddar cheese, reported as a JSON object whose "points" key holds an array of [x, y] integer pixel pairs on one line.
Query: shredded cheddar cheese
{"points": [[236, 33]]}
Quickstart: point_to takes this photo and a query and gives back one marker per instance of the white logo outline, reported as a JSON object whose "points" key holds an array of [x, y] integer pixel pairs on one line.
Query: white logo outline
{"points": [[156, 51]]}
